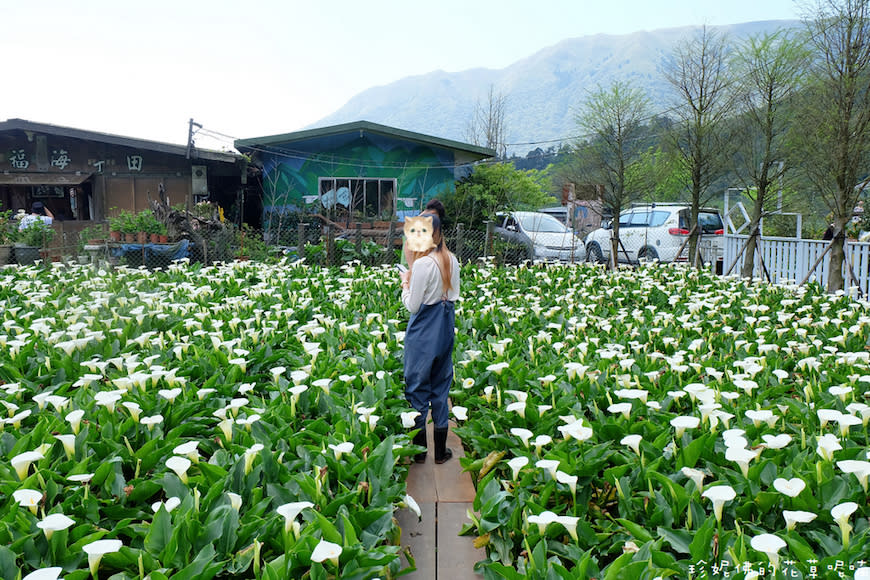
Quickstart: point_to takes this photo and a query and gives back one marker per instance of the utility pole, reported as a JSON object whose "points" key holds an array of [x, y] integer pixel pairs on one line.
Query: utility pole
{"points": [[190, 134]]}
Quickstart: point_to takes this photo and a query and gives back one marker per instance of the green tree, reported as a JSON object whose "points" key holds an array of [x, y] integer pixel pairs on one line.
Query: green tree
{"points": [[832, 139], [495, 187], [699, 74], [771, 71], [614, 120], [659, 174]]}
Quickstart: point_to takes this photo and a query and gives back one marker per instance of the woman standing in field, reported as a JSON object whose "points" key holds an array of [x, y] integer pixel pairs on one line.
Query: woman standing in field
{"points": [[429, 290]]}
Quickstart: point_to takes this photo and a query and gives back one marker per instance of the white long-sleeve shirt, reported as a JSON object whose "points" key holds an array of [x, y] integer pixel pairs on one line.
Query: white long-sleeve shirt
{"points": [[32, 218], [426, 286]]}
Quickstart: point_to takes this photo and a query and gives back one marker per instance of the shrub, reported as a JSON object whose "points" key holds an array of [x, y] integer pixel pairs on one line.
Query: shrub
{"points": [[37, 234], [8, 227]]}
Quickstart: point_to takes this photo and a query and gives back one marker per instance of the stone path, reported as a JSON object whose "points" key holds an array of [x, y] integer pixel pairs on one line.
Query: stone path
{"points": [[445, 493]]}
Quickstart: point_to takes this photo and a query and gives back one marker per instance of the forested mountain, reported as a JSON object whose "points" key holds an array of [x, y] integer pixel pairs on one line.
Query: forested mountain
{"points": [[544, 91]]}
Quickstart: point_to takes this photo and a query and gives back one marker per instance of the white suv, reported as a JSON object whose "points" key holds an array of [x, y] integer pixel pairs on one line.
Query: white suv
{"points": [[655, 232]]}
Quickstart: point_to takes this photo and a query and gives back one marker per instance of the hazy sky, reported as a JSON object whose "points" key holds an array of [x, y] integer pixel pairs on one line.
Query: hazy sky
{"points": [[264, 67]]}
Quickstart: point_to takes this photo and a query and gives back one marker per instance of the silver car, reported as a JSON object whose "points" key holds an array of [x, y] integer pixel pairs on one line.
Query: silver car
{"points": [[543, 237]]}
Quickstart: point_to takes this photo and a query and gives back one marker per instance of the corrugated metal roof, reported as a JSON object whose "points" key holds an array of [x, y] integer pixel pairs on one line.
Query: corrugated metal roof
{"points": [[23, 125], [362, 127]]}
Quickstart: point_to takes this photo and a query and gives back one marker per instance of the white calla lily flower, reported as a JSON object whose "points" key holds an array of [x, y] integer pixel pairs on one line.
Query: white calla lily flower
{"points": [[719, 495], [326, 551], [96, 550], [769, 544]]}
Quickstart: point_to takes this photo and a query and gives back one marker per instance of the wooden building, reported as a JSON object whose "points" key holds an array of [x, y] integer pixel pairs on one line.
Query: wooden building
{"points": [[85, 176]]}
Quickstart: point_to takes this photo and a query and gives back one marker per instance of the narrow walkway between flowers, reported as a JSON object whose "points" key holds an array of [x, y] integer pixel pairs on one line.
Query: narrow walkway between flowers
{"points": [[444, 493]]}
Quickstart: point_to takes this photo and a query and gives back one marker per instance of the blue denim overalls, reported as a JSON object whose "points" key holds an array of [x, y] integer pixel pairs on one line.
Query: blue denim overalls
{"points": [[429, 359]]}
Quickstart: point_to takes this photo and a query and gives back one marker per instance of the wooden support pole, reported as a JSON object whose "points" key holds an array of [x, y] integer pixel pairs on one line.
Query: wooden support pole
{"points": [[686, 241], [819, 259], [852, 271], [740, 253], [761, 261]]}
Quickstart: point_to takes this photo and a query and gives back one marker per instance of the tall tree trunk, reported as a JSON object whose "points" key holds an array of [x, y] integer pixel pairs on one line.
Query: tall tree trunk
{"points": [[613, 264], [752, 242], [694, 230], [837, 256]]}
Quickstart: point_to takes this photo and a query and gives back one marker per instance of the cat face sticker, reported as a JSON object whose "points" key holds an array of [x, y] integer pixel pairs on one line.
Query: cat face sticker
{"points": [[418, 233]]}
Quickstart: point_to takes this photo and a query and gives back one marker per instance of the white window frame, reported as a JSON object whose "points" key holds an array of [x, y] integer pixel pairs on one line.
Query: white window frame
{"points": [[357, 186]]}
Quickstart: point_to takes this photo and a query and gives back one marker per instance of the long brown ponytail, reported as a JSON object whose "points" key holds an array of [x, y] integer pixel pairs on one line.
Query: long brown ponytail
{"points": [[440, 253]]}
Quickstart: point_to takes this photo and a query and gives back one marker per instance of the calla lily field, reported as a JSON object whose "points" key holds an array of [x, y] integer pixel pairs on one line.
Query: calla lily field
{"points": [[247, 420]]}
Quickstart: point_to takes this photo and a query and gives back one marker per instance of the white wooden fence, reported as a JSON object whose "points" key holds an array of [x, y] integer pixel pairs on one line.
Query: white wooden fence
{"points": [[788, 260]]}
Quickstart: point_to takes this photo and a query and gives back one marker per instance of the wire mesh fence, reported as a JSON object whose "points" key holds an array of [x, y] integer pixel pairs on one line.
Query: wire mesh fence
{"points": [[327, 245]]}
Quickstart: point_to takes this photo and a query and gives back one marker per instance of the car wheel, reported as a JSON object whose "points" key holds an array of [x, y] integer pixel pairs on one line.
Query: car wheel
{"points": [[648, 254], [594, 254]]}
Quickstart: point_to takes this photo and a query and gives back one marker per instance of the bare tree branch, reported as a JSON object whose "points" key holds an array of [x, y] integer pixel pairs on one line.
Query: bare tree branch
{"points": [[703, 85]]}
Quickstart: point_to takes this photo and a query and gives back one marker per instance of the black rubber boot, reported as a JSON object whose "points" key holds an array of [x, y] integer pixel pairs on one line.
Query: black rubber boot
{"points": [[420, 439], [442, 454]]}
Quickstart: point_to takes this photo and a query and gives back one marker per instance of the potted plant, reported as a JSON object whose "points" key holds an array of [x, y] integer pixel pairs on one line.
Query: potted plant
{"points": [[31, 240], [115, 226], [129, 225], [162, 233], [142, 226], [150, 225], [93, 235]]}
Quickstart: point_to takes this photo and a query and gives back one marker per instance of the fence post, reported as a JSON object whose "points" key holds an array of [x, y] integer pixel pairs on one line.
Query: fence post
{"points": [[460, 241], [330, 246], [391, 233], [358, 239], [300, 238], [487, 242]]}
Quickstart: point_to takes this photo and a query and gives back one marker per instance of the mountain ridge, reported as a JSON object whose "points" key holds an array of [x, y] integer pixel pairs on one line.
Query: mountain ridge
{"points": [[544, 91]]}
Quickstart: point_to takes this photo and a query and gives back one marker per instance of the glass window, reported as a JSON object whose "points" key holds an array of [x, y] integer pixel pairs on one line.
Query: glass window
{"points": [[684, 219], [625, 220], [362, 197], [658, 217], [639, 218], [538, 222], [710, 222]]}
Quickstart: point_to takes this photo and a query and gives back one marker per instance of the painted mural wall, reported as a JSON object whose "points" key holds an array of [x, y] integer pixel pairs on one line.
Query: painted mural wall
{"points": [[292, 173]]}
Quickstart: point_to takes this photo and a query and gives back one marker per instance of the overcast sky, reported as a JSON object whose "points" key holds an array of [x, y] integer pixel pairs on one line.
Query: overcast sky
{"points": [[265, 67]]}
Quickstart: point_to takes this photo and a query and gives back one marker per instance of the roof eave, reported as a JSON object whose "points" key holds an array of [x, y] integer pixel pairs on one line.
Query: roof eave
{"points": [[119, 140], [362, 126]]}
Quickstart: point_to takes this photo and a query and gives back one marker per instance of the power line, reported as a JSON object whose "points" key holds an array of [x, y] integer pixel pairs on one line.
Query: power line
{"points": [[332, 159], [289, 153], [217, 134]]}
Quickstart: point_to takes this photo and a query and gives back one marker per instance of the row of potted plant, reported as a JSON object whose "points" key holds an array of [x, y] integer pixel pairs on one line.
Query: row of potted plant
{"points": [[137, 227]]}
